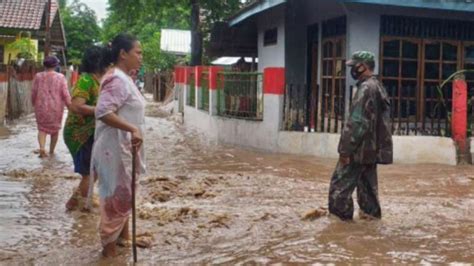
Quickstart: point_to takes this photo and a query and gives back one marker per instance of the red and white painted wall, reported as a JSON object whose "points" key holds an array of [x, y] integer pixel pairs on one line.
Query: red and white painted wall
{"points": [[3, 96]]}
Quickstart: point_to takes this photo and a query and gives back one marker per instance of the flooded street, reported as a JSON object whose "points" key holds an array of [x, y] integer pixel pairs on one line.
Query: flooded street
{"points": [[203, 203]]}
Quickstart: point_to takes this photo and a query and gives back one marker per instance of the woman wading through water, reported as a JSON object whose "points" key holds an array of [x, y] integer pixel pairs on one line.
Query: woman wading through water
{"points": [[49, 95], [80, 123], [120, 114]]}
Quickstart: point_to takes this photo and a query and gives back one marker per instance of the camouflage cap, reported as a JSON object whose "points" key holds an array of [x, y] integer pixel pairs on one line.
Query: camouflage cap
{"points": [[361, 57]]}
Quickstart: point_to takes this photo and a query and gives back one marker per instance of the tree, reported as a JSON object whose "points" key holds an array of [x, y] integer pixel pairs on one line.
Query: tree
{"points": [[211, 11], [25, 48], [62, 4], [82, 30], [196, 34], [146, 18]]}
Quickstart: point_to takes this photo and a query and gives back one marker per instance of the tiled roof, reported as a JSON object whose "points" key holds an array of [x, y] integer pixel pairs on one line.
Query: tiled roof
{"points": [[24, 14]]}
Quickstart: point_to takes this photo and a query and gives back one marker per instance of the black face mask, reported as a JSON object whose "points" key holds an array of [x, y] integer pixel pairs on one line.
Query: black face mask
{"points": [[357, 70]]}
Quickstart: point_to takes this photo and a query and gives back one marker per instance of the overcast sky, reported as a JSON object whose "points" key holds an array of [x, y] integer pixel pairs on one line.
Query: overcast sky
{"points": [[99, 6]]}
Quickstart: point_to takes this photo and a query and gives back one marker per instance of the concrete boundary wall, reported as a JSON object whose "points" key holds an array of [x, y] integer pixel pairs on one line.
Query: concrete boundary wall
{"points": [[472, 150], [407, 149], [257, 135], [248, 133]]}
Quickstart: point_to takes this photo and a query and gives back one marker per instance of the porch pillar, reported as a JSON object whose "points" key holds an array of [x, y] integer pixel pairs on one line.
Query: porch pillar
{"points": [[179, 88], [459, 120], [274, 90], [198, 75], [186, 84], [213, 89]]}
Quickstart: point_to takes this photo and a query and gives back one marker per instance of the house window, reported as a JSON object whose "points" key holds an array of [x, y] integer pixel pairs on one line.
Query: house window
{"points": [[270, 37], [400, 74], [333, 76], [441, 59], [413, 67]]}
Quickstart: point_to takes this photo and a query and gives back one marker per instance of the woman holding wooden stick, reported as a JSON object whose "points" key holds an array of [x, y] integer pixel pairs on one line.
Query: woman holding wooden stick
{"points": [[120, 114]]}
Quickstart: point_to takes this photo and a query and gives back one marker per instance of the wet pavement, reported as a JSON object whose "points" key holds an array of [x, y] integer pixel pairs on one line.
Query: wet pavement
{"points": [[204, 203]]}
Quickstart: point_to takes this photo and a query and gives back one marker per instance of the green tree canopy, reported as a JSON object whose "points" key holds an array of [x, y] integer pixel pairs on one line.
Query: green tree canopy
{"points": [[146, 18], [80, 25]]}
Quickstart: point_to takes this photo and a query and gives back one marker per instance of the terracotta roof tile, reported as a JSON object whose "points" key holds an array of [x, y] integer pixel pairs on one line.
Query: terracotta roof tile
{"points": [[24, 14]]}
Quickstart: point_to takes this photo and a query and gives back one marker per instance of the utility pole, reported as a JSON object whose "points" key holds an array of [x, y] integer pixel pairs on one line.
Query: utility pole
{"points": [[47, 42]]}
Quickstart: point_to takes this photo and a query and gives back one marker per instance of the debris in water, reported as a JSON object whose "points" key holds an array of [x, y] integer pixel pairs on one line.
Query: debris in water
{"points": [[17, 173], [182, 177], [160, 196], [166, 216], [220, 220], [314, 214], [199, 192], [154, 179], [265, 217]]}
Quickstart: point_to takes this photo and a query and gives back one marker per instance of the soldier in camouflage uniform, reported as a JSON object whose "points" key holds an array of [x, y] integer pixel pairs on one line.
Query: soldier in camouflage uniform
{"points": [[366, 141]]}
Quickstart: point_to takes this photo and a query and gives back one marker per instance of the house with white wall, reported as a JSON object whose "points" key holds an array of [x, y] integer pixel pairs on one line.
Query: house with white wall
{"points": [[302, 46]]}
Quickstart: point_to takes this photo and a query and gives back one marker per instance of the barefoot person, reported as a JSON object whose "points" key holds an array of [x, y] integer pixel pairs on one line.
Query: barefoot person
{"points": [[80, 123], [49, 95], [120, 122]]}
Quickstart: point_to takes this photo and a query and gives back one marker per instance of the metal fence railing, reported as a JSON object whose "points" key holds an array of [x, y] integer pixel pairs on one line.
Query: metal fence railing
{"points": [[295, 111], [325, 111], [407, 118], [240, 95], [204, 97], [305, 110]]}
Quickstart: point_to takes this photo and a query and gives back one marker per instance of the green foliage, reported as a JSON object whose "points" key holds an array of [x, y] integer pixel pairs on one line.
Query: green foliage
{"points": [[82, 30], [75, 61], [62, 3], [146, 18], [26, 49]]}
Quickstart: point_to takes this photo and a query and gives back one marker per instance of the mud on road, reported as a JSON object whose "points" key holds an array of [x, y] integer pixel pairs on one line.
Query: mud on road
{"points": [[207, 203]]}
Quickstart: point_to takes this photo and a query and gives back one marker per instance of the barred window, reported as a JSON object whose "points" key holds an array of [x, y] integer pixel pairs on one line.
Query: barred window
{"points": [[417, 55], [333, 78]]}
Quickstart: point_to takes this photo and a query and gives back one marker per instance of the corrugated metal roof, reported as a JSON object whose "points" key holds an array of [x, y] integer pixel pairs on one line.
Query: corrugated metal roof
{"points": [[252, 9], [455, 5], [24, 14], [176, 41], [259, 6], [227, 61]]}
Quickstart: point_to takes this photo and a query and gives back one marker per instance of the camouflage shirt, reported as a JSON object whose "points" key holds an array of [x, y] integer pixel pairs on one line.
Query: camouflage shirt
{"points": [[366, 136]]}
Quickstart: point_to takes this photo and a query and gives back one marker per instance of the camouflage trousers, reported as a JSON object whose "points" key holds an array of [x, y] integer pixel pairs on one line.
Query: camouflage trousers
{"points": [[344, 180]]}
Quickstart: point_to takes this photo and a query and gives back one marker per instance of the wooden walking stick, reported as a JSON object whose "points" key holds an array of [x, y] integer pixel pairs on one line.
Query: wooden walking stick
{"points": [[134, 233]]}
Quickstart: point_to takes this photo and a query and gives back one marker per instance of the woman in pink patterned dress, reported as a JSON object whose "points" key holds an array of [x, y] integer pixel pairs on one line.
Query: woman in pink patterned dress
{"points": [[49, 96], [120, 121]]}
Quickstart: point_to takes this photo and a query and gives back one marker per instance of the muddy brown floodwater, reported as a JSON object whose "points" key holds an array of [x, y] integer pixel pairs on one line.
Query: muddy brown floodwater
{"points": [[205, 203]]}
